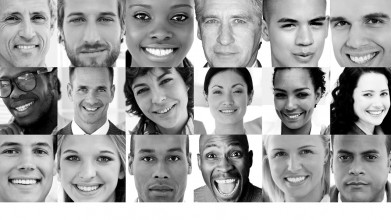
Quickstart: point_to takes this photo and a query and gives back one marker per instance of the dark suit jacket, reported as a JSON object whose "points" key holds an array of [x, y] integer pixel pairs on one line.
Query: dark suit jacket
{"points": [[334, 193], [113, 130]]}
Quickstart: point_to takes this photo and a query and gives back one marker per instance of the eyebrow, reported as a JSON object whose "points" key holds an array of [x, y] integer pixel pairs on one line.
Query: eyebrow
{"points": [[42, 144], [140, 5], [296, 90], [70, 151], [320, 18], [166, 72], [339, 18], [234, 85], [376, 15], [181, 6], [287, 20], [9, 143], [106, 152]]}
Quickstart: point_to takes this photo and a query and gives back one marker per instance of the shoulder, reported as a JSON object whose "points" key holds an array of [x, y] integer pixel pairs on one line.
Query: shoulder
{"points": [[333, 194], [254, 126], [113, 130], [65, 130], [199, 127], [203, 194]]}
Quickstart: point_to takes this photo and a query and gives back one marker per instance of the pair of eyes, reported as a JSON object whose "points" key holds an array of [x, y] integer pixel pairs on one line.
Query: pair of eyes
{"points": [[103, 159], [36, 19], [79, 20], [368, 157], [312, 24], [172, 158], [161, 83], [384, 94], [219, 92], [37, 151], [85, 90], [300, 95], [233, 154], [144, 17], [216, 21], [372, 21], [280, 154]]}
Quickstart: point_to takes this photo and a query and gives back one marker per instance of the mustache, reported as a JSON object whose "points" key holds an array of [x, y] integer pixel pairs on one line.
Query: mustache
{"points": [[25, 96]]}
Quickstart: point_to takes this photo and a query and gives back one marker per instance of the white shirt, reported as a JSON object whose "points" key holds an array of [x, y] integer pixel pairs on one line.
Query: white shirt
{"points": [[76, 130]]}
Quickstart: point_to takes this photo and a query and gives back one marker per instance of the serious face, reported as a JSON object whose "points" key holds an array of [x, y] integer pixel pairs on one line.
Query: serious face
{"points": [[25, 31], [361, 35]]}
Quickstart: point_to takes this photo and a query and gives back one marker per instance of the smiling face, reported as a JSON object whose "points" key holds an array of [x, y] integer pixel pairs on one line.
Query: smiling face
{"points": [[159, 33], [296, 166], [295, 97], [26, 168], [228, 97], [296, 36], [361, 35], [361, 165], [29, 107], [160, 166], [230, 31], [25, 31], [371, 100], [91, 92], [92, 32], [225, 165], [89, 168], [162, 97]]}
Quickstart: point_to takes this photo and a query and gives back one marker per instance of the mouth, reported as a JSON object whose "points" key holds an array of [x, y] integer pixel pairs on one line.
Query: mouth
{"points": [[160, 188], [293, 116], [84, 188], [363, 59], [24, 107], [165, 110], [26, 47], [227, 187], [375, 113], [295, 180], [304, 57], [88, 109], [159, 52], [24, 181], [228, 111]]}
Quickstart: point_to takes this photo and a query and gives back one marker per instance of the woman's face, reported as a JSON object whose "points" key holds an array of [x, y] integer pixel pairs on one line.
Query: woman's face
{"points": [[371, 99], [296, 164], [295, 97], [159, 33], [227, 97], [162, 97], [90, 167]]}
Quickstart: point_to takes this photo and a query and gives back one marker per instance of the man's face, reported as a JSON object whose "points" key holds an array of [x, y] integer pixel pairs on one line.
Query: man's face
{"points": [[230, 31], [360, 164], [297, 31], [26, 168], [91, 92], [225, 166], [28, 107], [25, 31], [160, 167], [361, 35], [92, 32]]}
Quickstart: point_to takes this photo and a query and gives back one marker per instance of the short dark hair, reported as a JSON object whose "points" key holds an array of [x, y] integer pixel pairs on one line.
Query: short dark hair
{"points": [[387, 140], [133, 143], [109, 69], [266, 8], [242, 139], [243, 72]]}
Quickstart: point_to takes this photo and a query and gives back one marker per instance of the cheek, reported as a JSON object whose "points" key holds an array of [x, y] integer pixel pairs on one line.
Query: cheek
{"points": [[144, 103], [279, 104]]}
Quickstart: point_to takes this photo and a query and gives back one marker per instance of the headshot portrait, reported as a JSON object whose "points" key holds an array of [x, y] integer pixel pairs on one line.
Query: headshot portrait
{"points": [[296, 168], [159, 33], [230, 31], [26, 167], [296, 30], [91, 31], [361, 33], [29, 100], [225, 162], [361, 165], [91, 91], [160, 166], [91, 168], [297, 94], [26, 33], [361, 101], [223, 96]]}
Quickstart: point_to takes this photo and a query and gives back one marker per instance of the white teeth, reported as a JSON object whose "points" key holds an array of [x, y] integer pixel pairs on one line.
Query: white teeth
{"points": [[225, 181], [87, 188], [295, 179], [362, 59], [24, 181], [91, 109], [293, 116], [227, 111], [159, 52], [24, 107], [25, 47], [165, 110], [375, 113]]}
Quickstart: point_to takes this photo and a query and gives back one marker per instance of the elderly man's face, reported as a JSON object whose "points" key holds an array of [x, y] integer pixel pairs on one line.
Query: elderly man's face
{"points": [[361, 35], [230, 31], [92, 32], [25, 31], [29, 107]]}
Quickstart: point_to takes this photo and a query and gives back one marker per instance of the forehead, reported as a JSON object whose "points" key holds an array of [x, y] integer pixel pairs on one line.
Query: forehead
{"points": [[23, 6], [27, 141], [293, 142], [358, 10], [292, 78], [160, 144], [372, 81], [228, 78], [90, 76], [154, 75], [360, 143], [90, 6], [160, 3], [88, 144], [221, 142], [9, 72], [228, 8], [293, 9]]}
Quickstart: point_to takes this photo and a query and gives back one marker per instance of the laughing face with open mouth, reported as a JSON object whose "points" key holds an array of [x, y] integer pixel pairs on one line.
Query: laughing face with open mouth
{"points": [[361, 34], [159, 33], [26, 168]]}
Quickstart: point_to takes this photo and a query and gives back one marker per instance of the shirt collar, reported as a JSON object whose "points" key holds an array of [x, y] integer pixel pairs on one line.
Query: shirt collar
{"points": [[76, 130]]}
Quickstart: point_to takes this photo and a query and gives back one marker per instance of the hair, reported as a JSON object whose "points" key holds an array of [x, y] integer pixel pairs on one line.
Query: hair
{"points": [[109, 69], [120, 143], [387, 141], [134, 72], [133, 143], [242, 139], [53, 12], [343, 117], [266, 8], [271, 192], [243, 72], [61, 14]]}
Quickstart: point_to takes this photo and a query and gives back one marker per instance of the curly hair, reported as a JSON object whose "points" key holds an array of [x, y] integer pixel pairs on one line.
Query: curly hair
{"points": [[342, 114], [134, 72]]}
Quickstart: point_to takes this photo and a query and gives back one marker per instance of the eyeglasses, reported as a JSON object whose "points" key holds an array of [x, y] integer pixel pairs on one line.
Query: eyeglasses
{"points": [[26, 82]]}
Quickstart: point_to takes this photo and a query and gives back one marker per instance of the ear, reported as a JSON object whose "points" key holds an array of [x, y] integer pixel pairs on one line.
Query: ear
{"points": [[130, 158], [250, 158], [69, 91], [199, 160], [61, 37], [112, 89], [318, 95], [189, 168], [250, 98], [332, 161], [199, 32], [265, 31]]}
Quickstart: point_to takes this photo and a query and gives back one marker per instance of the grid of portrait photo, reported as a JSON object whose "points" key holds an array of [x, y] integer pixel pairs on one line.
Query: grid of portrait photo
{"points": [[195, 109]]}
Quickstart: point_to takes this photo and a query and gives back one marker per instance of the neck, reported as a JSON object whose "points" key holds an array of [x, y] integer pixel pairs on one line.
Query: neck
{"points": [[306, 129], [237, 128], [46, 124], [365, 127], [90, 128], [315, 195], [174, 130]]}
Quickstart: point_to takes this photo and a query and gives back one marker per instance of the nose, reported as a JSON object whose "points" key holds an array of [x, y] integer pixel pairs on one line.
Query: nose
{"points": [[304, 37], [356, 168], [91, 33], [380, 101], [356, 37], [27, 31], [26, 162], [15, 92], [228, 99], [158, 96], [160, 32], [225, 36], [161, 171], [87, 170], [224, 165], [91, 98], [291, 104], [294, 163]]}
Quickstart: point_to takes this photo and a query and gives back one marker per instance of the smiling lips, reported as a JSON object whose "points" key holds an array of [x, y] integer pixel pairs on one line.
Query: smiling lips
{"points": [[27, 181], [84, 188], [293, 116], [227, 187], [362, 59], [24, 107], [165, 110], [296, 179], [89, 109], [228, 111], [375, 113], [26, 47]]}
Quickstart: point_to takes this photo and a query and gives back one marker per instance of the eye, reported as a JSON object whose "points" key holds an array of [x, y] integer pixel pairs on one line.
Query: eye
{"points": [[371, 157], [344, 158], [12, 19], [340, 24], [39, 18], [10, 151], [211, 156], [179, 18], [174, 158], [306, 151], [84, 90], [102, 90], [217, 92], [41, 152], [302, 95], [104, 159], [384, 94], [105, 19], [211, 21], [72, 158], [141, 91], [236, 154], [164, 81], [76, 20], [279, 95], [142, 17], [280, 154], [239, 21], [374, 21], [238, 91], [147, 159], [288, 26]]}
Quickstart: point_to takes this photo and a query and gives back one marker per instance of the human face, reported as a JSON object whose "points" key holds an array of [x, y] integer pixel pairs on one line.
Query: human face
{"points": [[159, 33], [295, 97], [30, 107], [26, 168], [371, 100], [160, 167], [90, 167], [91, 92], [297, 31], [360, 164], [162, 97], [230, 31], [297, 166], [361, 35], [228, 97], [25, 31], [92, 32], [225, 165]]}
